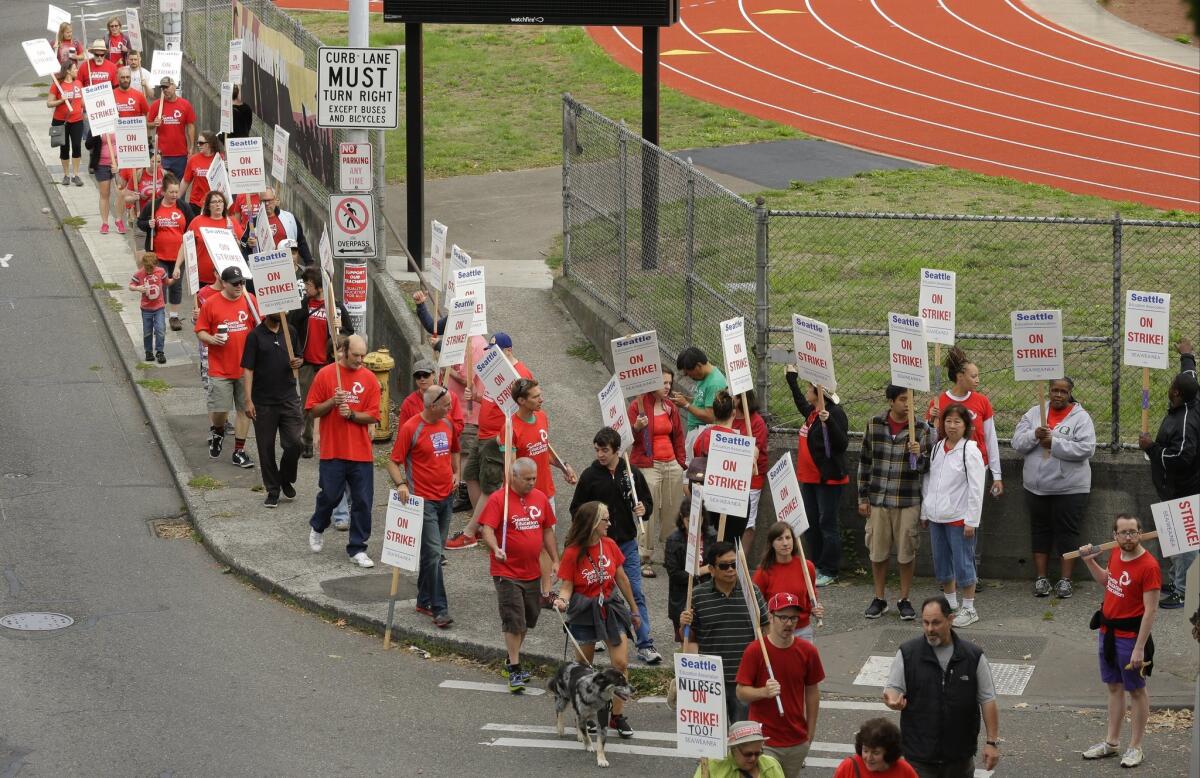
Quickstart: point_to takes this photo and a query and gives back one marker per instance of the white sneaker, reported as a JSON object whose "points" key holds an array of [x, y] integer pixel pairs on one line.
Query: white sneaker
{"points": [[965, 617], [316, 541], [1102, 750], [649, 655], [1132, 758], [362, 560]]}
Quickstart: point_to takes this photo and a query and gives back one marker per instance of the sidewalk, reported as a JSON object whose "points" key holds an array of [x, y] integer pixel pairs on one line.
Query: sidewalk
{"points": [[1088, 18]]}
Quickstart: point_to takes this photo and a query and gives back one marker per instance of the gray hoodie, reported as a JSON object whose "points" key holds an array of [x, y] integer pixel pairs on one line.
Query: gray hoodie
{"points": [[1066, 470]]}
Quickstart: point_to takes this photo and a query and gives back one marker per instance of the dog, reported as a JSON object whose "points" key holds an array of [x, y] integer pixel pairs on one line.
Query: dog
{"points": [[590, 693]]}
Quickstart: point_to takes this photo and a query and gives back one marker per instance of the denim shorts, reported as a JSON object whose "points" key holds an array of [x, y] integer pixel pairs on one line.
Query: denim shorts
{"points": [[953, 554]]}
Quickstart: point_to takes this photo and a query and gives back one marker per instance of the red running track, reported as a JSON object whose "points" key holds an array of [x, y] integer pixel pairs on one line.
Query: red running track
{"points": [[984, 85]]}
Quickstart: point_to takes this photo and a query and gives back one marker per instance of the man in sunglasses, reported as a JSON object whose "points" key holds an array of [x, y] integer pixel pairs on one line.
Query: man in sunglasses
{"points": [[424, 376], [719, 622]]}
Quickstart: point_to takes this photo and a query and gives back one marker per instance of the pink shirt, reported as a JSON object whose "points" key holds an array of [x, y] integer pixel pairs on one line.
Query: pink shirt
{"points": [[476, 345]]}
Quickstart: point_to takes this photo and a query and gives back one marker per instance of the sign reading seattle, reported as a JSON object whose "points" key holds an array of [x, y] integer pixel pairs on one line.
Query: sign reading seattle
{"points": [[358, 88]]}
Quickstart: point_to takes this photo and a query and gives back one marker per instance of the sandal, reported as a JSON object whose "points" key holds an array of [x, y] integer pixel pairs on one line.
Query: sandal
{"points": [[648, 572]]}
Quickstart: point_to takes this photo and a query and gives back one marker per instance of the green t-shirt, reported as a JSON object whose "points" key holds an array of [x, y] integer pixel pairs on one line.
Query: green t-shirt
{"points": [[768, 767], [706, 390]]}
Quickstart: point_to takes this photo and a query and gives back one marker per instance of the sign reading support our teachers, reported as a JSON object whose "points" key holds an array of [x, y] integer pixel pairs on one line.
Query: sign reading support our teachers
{"points": [[357, 88]]}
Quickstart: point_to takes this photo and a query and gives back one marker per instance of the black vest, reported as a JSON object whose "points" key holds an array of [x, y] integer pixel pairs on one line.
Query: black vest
{"points": [[942, 718]]}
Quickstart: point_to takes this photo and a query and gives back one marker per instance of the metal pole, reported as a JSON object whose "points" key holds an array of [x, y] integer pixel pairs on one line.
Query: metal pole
{"points": [[650, 159], [689, 257], [569, 142], [1117, 231], [762, 300], [380, 192], [623, 229], [415, 139], [359, 12], [208, 54]]}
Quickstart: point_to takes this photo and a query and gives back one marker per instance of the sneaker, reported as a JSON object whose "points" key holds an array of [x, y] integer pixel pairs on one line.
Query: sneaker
{"points": [[1132, 758], [76, 180], [176, 325], [461, 540], [1171, 601], [242, 459], [649, 656], [621, 725], [66, 180], [1063, 589], [1041, 587], [876, 609], [272, 500], [120, 226], [341, 526], [160, 358], [215, 442], [421, 609], [442, 621], [307, 453], [907, 612], [825, 580], [965, 617], [149, 356], [288, 490], [600, 646], [517, 679], [1102, 750], [104, 229], [316, 541], [362, 560]]}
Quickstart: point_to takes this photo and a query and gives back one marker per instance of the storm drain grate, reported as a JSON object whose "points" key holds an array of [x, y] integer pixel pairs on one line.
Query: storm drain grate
{"points": [[172, 528], [1010, 679], [995, 646], [36, 622]]}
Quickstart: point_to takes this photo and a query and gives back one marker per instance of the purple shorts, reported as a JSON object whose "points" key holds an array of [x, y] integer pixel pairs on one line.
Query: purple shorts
{"points": [[1132, 679]]}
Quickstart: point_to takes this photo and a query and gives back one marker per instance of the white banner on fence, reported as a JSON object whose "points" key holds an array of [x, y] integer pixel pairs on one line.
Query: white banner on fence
{"points": [[166, 64], [170, 6], [457, 334], [737, 359], [459, 259], [247, 173], [727, 477], [613, 412], [190, 263], [1147, 329], [133, 29], [909, 358], [437, 255], [41, 56], [279, 154], [937, 305], [235, 61], [469, 282], [276, 284], [55, 17], [224, 251], [813, 349], [133, 144], [1176, 522], [216, 177], [636, 360], [497, 374], [692, 561], [101, 108], [225, 124], [785, 494], [1037, 344], [700, 692], [402, 532]]}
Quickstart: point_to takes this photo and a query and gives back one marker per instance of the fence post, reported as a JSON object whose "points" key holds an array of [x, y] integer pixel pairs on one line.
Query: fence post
{"points": [[762, 301], [569, 144], [689, 256], [623, 223], [207, 53], [1117, 236]]}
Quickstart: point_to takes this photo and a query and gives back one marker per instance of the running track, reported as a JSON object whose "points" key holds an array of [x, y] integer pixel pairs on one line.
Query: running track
{"points": [[984, 85]]}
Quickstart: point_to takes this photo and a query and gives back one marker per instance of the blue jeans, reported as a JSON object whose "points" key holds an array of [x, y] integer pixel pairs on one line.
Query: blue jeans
{"points": [[336, 478], [824, 537], [1179, 570], [175, 165], [154, 330], [953, 554], [431, 587], [633, 570], [341, 511]]}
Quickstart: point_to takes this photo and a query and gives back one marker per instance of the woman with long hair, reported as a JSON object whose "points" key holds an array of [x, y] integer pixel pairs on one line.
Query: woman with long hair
{"points": [[195, 173], [658, 453], [964, 375], [782, 571], [68, 90], [66, 48], [117, 41]]}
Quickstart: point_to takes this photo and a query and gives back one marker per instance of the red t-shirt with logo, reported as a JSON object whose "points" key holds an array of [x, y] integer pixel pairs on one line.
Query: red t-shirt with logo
{"points": [[91, 74], [415, 403], [532, 439], [528, 516], [172, 132], [491, 418], [130, 102], [342, 438], [424, 450], [204, 263], [592, 569], [316, 350], [246, 207], [169, 224], [73, 92], [196, 172], [980, 408], [226, 361], [796, 667], [1127, 581], [148, 185], [152, 298]]}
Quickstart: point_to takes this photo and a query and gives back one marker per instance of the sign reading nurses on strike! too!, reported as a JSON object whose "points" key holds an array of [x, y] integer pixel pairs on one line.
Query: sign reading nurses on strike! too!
{"points": [[457, 333], [700, 720], [737, 359], [1176, 522], [1037, 345], [1147, 324], [785, 494], [937, 305], [909, 356], [612, 412], [813, 349], [636, 360], [727, 477]]}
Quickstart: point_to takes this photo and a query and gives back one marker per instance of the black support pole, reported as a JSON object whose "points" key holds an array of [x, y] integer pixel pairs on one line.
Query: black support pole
{"points": [[649, 158], [414, 106]]}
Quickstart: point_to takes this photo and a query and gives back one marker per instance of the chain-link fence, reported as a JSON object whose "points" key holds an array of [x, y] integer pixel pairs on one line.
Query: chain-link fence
{"points": [[717, 256]]}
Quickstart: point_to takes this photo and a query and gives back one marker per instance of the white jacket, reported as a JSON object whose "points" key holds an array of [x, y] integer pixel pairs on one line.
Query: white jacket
{"points": [[953, 487]]}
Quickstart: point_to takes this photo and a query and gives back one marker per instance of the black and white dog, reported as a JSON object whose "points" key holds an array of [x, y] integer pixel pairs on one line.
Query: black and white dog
{"points": [[590, 692]]}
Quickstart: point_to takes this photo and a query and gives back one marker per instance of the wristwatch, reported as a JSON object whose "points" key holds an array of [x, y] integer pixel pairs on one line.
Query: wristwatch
{"points": [[993, 743]]}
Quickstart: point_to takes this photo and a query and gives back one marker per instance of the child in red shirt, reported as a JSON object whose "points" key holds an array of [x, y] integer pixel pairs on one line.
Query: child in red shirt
{"points": [[150, 280]]}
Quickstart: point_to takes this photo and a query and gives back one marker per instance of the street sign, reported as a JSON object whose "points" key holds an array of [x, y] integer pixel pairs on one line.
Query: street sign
{"points": [[354, 167], [358, 89], [352, 226]]}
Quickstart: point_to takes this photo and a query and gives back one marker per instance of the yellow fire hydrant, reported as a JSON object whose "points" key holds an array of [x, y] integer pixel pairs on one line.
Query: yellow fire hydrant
{"points": [[380, 363]]}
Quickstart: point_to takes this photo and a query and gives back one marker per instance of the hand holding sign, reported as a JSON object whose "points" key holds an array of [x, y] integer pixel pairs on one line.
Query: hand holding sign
{"points": [[909, 362]]}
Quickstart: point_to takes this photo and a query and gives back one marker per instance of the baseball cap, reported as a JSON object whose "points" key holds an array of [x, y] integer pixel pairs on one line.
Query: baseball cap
{"points": [[502, 340], [696, 468], [97, 45], [166, 81], [288, 243], [232, 273], [783, 600], [424, 366], [744, 732]]}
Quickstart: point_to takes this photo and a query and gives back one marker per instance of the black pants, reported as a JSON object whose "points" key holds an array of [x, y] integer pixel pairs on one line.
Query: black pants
{"points": [[72, 148], [964, 768], [286, 420]]}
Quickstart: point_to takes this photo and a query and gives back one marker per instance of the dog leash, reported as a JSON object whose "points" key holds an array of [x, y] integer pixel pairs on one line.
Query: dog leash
{"points": [[573, 640]]}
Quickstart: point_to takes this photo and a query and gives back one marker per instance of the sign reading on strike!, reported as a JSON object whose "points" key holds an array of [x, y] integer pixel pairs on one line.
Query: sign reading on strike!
{"points": [[247, 173], [737, 359], [352, 226], [1037, 345], [909, 353], [41, 56], [264, 238], [354, 288], [937, 305], [235, 61], [133, 145], [1176, 522], [355, 173], [402, 532], [459, 260], [357, 88], [613, 412], [279, 154], [785, 494], [275, 286], [437, 254], [224, 250], [1147, 328], [458, 332], [166, 64], [700, 706], [190, 263], [216, 177], [133, 29], [101, 108], [814, 351], [469, 283], [497, 374], [225, 124], [56, 16], [636, 360], [727, 477]]}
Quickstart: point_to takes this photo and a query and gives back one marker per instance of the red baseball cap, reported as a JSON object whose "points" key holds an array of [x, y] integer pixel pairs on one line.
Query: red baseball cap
{"points": [[783, 600]]}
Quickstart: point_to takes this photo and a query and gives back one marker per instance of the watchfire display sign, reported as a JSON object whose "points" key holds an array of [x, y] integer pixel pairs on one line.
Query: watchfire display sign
{"points": [[358, 89], [352, 226]]}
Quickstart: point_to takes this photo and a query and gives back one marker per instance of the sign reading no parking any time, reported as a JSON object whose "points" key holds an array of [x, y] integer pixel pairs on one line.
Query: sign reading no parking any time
{"points": [[358, 88]]}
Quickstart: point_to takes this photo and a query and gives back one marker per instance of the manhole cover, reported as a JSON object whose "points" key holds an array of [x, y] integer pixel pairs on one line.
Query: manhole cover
{"points": [[36, 622]]}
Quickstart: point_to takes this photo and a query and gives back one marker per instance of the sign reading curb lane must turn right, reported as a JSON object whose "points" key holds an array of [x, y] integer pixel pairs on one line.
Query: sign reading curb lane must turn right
{"points": [[358, 89], [352, 226]]}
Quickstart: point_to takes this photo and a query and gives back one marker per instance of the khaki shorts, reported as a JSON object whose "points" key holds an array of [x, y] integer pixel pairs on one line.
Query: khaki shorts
{"points": [[486, 466], [899, 527], [226, 393], [791, 758], [520, 603], [468, 446]]}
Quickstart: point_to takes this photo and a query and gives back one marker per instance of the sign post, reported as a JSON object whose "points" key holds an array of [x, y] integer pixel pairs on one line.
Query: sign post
{"points": [[1147, 327], [937, 310], [401, 546], [727, 476], [909, 360], [352, 226], [1037, 352], [358, 88]]}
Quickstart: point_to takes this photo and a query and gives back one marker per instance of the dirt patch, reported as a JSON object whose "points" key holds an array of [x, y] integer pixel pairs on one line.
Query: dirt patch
{"points": [[1167, 18]]}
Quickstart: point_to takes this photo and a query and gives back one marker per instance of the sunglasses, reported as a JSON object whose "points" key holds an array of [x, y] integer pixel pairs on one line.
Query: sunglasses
{"points": [[751, 754], [726, 565], [236, 283]]}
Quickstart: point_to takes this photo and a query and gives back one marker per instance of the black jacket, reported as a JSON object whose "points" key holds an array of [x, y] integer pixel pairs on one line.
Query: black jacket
{"points": [[1175, 453], [143, 220], [941, 721], [612, 489], [832, 467], [675, 561], [298, 320]]}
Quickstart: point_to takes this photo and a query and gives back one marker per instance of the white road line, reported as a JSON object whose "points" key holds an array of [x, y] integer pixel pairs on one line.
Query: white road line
{"points": [[911, 144], [652, 699], [852, 705], [530, 691]]}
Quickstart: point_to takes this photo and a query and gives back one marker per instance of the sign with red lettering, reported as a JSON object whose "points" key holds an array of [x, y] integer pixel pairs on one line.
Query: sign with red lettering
{"points": [[133, 146], [737, 359], [189, 259], [700, 717], [247, 173], [216, 176], [402, 532], [224, 250], [727, 477], [457, 333], [459, 260], [497, 374], [1037, 345], [937, 305], [613, 412], [468, 282], [354, 167], [235, 61], [437, 254], [275, 284], [279, 154], [225, 124], [354, 290], [813, 349], [909, 358], [785, 493], [1176, 522], [636, 360], [1147, 324], [101, 108], [691, 562]]}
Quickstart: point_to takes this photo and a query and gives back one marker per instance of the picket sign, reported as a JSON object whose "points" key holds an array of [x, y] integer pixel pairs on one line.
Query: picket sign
{"points": [[217, 177], [1037, 347], [279, 154], [166, 64], [785, 495], [101, 108], [727, 476], [1178, 524], [401, 546], [458, 332], [636, 361], [133, 29], [937, 305], [133, 144], [247, 173], [909, 361], [469, 282], [264, 239], [813, 349], [325, 252], [235, 61], [1147, 329], [225, 124], [701, 720], [497, 375], [190, 262], [695, 540], [613, 412], [737, 359], [41, 56], [437, 256], [276, 285], [55, 17], [459, 260], [224, 251]]}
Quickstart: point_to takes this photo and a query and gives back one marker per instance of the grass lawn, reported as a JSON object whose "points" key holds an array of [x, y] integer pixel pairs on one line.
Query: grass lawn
{"points": [[493, 96]]}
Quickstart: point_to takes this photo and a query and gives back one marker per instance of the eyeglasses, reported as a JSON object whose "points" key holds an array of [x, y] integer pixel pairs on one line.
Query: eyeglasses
{"points": [[422, 375], [606, 520], [1128, 533], [201, 143], [751, 754], [726, 565], [786, 619]]}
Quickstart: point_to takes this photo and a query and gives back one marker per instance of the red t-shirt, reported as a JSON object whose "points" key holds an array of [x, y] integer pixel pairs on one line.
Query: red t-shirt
{"points": [[807, 471], [172, 133], [758, 431], [73, 92], [246, 207], [704, 439], [205, 293], [491, 418], [204, 263], [895, 427], [528, 516], [342, 438], [169, 224], [226, 361], [1127, 581], [425, 452], [130, 102], [91, 74], [980, 409], [787, 578], [118, 47], [899, 769], [1054, 417], [316, 351], [148, 185], [196, 172], [152, 298], [663, 445], [795, 667], [592, 569], [532, 439], [415, 403]]}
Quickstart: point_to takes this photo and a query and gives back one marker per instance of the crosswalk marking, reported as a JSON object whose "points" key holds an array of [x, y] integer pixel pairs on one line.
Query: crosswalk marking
{"points": [[530, 691]]}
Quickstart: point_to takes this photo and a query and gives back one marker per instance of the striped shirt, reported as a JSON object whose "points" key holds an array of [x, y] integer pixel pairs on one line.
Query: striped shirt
{"points": [[722, 624]]}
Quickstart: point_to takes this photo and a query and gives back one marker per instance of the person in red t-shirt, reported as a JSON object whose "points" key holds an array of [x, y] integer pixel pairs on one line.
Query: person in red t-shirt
{"points": [[722, 411], [658, 452], [757, 429], [150, 281], [223, 324], [195, 173], [518, 541], [424, 376], [964, 374], [314, 345], [782, 571], [97, 70], [66, 98], [1131, 585], [213, 215], [425, 462], [795, 678], [345, 397], [66, 48], [175, 122], [136, 196], [170, 219], [118, 42], [877, 753]]}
